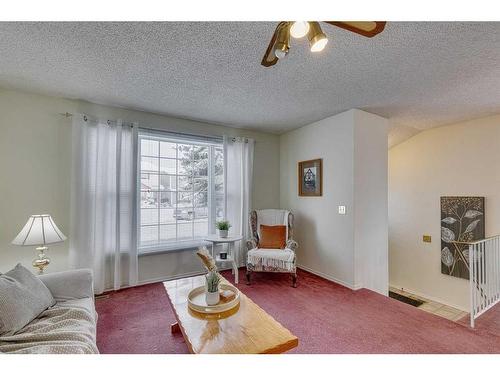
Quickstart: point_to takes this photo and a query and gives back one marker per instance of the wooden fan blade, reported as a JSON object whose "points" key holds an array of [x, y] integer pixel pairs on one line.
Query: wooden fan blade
{"points": [[365, 28], [270, 58]]}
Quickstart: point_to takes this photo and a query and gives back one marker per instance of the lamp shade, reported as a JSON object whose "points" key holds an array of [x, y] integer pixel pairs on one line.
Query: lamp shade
{"points": [[39, 230]]}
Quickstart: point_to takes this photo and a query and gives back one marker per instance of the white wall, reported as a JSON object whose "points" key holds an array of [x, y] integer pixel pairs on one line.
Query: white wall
{"points": [[35, 159], [460, 159], [353, 146], [370, 202]]}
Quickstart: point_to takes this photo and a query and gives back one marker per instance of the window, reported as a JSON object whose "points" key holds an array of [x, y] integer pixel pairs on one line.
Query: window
{"points": [[181, 190]]}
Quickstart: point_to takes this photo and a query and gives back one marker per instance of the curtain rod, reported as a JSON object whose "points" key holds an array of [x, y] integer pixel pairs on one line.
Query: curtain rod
{"points": [[233, 139], [85, 118]]}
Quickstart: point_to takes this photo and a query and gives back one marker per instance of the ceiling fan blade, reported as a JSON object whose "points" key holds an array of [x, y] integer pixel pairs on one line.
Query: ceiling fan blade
{"points": [[270, 58], [365, 28]]}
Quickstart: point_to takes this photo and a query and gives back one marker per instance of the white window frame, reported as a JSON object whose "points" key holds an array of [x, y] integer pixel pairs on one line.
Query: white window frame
{"points": [[188, 139]]}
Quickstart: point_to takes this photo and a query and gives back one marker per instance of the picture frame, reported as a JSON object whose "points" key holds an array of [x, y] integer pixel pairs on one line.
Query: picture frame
{"points": [[310, 178]]}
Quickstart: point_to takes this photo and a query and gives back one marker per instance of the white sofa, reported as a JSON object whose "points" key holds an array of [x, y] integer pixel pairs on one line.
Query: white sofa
{"points": [[67, 327]]}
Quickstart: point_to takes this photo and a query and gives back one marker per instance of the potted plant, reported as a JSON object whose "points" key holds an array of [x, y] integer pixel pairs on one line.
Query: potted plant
{"points": [[223, 228], [212, 296]]}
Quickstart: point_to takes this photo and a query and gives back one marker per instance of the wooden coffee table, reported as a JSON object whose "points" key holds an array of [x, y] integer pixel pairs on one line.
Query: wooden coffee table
{"points": [[247, 329]]}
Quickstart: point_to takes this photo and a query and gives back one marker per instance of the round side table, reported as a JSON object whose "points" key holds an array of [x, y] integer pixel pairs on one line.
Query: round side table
{"points": [[232, 252]]}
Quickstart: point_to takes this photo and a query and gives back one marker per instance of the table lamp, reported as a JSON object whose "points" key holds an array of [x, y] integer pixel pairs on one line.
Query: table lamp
{"points": [[39, 231]]}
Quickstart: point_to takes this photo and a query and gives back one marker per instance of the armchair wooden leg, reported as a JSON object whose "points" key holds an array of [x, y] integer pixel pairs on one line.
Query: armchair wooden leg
{"points": [[294, 280], [249, 273]]}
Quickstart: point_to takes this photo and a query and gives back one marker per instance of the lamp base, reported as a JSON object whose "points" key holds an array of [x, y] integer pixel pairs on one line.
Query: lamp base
{"points": [[42, 261]]}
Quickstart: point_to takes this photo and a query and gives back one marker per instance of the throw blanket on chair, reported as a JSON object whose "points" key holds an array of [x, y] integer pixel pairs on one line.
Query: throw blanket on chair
{"points": [[272, 259]]}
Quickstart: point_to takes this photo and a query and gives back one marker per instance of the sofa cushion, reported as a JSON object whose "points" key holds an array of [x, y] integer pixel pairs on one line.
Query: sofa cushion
{"points": [[22, 298]]}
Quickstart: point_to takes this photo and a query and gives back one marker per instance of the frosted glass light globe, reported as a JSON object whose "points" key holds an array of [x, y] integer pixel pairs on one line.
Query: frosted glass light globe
{"points": [[319, 45], [299, 29]]}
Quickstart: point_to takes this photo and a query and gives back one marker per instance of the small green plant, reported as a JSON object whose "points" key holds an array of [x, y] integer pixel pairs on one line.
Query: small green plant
{"points": [[213, 280], [223, 225]]}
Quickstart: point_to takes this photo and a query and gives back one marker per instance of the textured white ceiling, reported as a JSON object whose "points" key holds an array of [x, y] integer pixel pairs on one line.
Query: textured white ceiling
{"points": [[418, 75]]}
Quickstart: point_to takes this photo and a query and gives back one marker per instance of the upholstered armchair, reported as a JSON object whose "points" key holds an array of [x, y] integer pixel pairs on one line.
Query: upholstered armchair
{"points": [[271, 260]]}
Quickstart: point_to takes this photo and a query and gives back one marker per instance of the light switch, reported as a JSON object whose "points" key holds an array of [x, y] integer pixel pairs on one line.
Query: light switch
{"points": [[341, 210]]}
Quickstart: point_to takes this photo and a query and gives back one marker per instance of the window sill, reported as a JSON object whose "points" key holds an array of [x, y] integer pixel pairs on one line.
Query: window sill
{"points": [[171, 248]]}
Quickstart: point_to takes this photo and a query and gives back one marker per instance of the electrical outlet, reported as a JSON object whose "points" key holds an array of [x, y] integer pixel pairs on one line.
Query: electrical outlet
{"points": [[341, 210], [426, 238]]}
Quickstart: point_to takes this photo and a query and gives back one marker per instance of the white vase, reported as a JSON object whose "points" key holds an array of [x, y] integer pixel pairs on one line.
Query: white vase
{"points": [[212, 298], [222, 233]]}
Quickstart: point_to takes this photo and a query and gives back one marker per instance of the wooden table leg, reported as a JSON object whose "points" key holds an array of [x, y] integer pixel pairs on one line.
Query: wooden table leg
{"points": [[175, 328]]}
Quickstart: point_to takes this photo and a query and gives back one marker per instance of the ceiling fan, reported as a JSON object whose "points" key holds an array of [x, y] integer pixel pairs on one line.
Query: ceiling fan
{"points": [[280, 42]]}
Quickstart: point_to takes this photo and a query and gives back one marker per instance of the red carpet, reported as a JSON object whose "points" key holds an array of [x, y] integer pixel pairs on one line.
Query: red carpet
{"points": [[326, 317]]}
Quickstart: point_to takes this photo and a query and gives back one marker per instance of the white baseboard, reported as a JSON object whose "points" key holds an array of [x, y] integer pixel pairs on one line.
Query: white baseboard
{"points": [[429, 297], [328, 277]]}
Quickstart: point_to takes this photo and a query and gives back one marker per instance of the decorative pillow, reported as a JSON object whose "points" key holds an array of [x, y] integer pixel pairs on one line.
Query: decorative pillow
{"points": [[272, 237], [22, 298]]}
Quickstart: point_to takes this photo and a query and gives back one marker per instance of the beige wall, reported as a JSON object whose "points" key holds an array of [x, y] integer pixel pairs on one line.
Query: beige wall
{"points": [[35, 159], [460, 159], [353, 146]]}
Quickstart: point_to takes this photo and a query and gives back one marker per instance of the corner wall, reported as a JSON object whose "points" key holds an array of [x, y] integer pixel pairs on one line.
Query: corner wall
{"points": [[353, 146], [460, 159]]}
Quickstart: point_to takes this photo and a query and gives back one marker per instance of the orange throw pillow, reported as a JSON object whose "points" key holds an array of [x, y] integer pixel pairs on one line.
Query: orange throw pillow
{"points": [[272, 237]]}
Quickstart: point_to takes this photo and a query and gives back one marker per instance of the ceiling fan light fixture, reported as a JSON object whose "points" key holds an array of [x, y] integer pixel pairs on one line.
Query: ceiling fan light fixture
{"points": [[317, 39], [282, 45], [299, 29]]}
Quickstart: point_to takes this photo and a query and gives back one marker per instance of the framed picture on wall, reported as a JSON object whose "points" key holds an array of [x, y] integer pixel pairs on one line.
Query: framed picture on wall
{"points": [[311, 178]]}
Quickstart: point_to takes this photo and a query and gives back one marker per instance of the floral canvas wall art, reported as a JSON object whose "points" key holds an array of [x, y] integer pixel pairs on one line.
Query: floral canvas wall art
{"points": [[462, 220]]}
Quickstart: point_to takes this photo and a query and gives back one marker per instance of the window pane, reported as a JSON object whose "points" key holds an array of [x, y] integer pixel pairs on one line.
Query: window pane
{"points": [[185, 183], [167, 166], [184, 214], [167, 233], [185, 199], [185, 152], [201, 199], [200, 168], [149, 199], [219, 161], [200, 157], [167, 199], [201, 228], [175, 181], [168, 182], [149, 235], [200, 184], [200, 213], [219, 184], [184, 231], [149, 216], [168, 150], [149, 147], [200, 152], [149, 164], [167, 216], [185, 167], [149, 181]]}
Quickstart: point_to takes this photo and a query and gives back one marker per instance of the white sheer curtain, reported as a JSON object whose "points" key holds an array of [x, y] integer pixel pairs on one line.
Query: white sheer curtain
{"points": [[239, 171], [103, 196]]}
